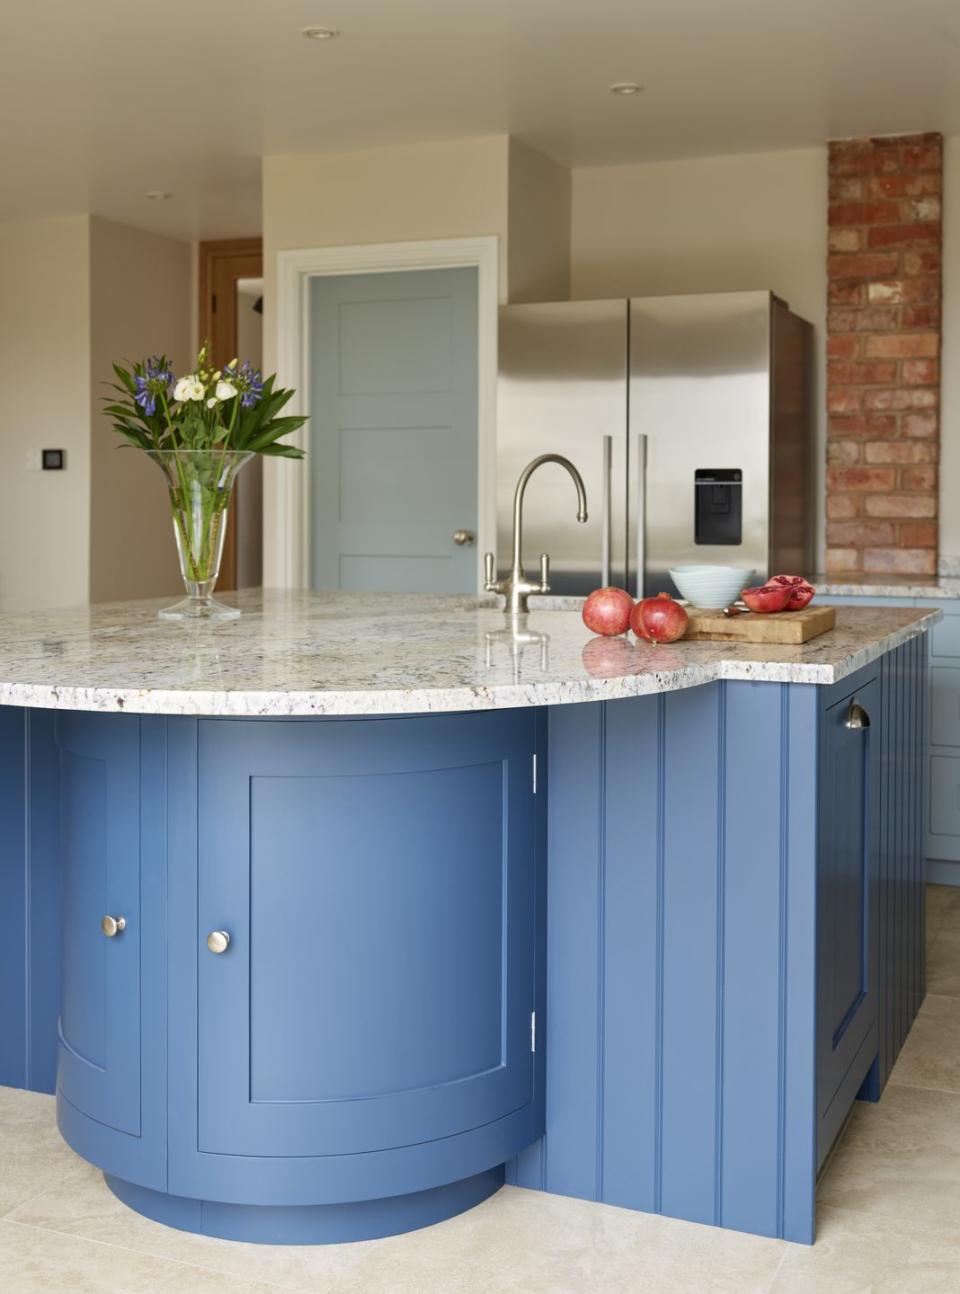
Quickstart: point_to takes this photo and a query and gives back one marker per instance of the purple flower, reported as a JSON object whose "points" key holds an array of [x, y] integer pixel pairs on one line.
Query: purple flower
{"points": [[154, 379], [248, 381]]}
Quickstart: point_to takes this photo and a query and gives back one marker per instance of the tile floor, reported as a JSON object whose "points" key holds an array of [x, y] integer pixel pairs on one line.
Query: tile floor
{"points": [[889, 1212]]}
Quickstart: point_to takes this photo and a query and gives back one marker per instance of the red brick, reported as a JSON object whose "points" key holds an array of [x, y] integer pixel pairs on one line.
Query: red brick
{"points": [[900, 397], [927, 316], [844, 240], [843, 453], [924, 287], [844, 399], [860, 374], [845, 345], [843, 559], [863, 213], [920, 372], [920, 209], [921, 478], [842, 320], [895, 186], [845, 294], [873, 426], [900, 561], [900, 505], [845, 188], [888, 290], [920, 426], [899, 451], [904, 235], [922, 157], [921, 262], [903, 346], [863, 265], [877, 319], [919, 534], [841, 507], [879, 479], [855, 533]]}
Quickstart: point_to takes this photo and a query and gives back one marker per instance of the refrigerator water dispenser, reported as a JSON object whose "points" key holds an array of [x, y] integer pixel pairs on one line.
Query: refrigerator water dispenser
{"points": [[718, 506]]}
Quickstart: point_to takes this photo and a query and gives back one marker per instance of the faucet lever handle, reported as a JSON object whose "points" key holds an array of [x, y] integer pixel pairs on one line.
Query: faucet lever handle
{"points": [[544, 572], [489, 573]]}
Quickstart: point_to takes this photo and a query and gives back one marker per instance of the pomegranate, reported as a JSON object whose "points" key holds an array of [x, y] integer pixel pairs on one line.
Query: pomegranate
{"points": [[607, 611], [659, 619], [767, 598], [800, 591]]}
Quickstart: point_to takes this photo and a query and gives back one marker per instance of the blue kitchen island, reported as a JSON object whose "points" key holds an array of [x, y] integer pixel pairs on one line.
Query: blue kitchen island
{"points": [[324, 923]]}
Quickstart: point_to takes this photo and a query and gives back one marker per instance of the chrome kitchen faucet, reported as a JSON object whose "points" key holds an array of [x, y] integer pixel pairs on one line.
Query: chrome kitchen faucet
{"points": [[516, 588]]}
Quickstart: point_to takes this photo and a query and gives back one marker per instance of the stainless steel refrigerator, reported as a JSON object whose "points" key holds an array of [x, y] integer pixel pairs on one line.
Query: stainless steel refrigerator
{"points": [[690, 420]]}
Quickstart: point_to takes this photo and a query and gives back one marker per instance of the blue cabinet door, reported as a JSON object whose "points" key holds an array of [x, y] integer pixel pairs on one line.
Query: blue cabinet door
{"points": [[98, 1069], [847, 905], [377, 882]]}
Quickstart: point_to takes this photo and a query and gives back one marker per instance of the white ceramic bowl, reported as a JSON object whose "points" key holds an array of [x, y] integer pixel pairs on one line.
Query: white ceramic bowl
{"points": [[711, 587]]}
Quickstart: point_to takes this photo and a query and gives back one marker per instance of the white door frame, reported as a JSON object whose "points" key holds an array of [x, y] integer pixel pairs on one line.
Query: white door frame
{"points": [[286, 483]]}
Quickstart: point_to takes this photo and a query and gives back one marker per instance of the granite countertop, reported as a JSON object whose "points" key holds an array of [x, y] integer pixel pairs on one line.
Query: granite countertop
{"points": [[300, 653], [939, 587]]}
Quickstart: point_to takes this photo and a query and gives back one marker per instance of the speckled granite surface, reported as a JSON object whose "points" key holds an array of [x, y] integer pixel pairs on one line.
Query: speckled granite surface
{"points": [[942, 587], [316, 654]]}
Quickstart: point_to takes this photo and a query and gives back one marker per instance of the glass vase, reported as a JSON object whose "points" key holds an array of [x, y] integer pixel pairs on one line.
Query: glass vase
{"points": [[200, 483]]}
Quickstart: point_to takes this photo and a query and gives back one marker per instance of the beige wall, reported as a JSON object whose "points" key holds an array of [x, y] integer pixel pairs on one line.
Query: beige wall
{"points": [[538, 226], [140, 304], [709, 225], [44, 404], [950, 415]]}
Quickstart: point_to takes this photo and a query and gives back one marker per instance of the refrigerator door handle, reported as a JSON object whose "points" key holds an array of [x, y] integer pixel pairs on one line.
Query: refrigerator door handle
{"points": [[641, 512], [605, 511]]}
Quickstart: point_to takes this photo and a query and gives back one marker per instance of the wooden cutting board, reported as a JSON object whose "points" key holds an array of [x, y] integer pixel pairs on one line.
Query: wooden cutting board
{"points": [[790, 627]]}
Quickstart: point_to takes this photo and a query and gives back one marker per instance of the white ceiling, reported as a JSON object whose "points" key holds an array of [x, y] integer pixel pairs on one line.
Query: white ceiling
{"points": [[103, 100]]}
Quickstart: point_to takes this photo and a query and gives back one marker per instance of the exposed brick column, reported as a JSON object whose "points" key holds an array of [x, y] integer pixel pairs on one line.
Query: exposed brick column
{"points": [[883, 354]]}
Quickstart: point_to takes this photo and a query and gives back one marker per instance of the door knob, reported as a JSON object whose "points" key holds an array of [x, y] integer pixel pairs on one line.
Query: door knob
{"points": [[857, 717], [112, 926], [218, 941], [461, 537]]}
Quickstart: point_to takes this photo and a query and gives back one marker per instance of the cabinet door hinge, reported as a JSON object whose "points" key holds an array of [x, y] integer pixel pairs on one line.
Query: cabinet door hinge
{"points": [[533, 1031], [534, 773]]}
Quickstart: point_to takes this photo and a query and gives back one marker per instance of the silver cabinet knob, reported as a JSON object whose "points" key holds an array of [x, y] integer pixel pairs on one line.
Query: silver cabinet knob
{"points": [[112, 926], [218, 941], [857, 717], [461, 537]]}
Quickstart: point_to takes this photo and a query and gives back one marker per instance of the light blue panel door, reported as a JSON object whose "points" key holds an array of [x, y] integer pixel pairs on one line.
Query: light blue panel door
{"points": [[377, 881], [99, 1060], [393, 431]]}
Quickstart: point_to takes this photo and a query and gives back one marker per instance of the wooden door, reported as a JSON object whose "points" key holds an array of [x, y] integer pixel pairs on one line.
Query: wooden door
{"points": [[377, 881], [221, 264], [99, 1056], [393, 431]]}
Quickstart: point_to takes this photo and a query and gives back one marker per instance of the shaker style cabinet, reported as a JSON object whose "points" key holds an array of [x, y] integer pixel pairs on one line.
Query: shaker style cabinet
{"points": [[847, 900]]}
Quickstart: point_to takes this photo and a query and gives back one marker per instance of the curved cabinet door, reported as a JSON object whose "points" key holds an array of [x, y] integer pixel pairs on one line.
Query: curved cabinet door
{"points": [[376, 879], [98, 1068]]}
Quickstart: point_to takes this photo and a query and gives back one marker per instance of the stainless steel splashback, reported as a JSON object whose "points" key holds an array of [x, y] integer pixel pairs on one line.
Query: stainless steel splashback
{"points": [[699, 403], [563, 389]]}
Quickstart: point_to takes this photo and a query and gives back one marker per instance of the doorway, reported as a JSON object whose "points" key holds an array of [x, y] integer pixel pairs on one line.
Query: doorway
{"points": [[393, 431], [403, 389]]}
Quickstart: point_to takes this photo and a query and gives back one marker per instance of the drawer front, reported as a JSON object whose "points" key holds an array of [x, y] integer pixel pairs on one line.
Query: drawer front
{"points": [[945, 705], [945, 637]]}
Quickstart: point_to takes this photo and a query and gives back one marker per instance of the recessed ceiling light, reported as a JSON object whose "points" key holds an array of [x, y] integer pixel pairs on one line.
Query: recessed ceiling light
{"points": [[158, 195], [320, 33], [625, 87]]}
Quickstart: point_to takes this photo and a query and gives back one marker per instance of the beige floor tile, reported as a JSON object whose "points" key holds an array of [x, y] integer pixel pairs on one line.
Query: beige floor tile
{"points": [[931, 1054], [899, 1160], [861, 1254], [943, 909], [34, 1155], [519, 1241], [943, 964], [41, 1262]]}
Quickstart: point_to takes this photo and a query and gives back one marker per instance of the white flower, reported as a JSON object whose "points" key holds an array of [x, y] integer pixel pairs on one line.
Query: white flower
{"points": [[225, 390], [212, 402], [188, 388]]}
